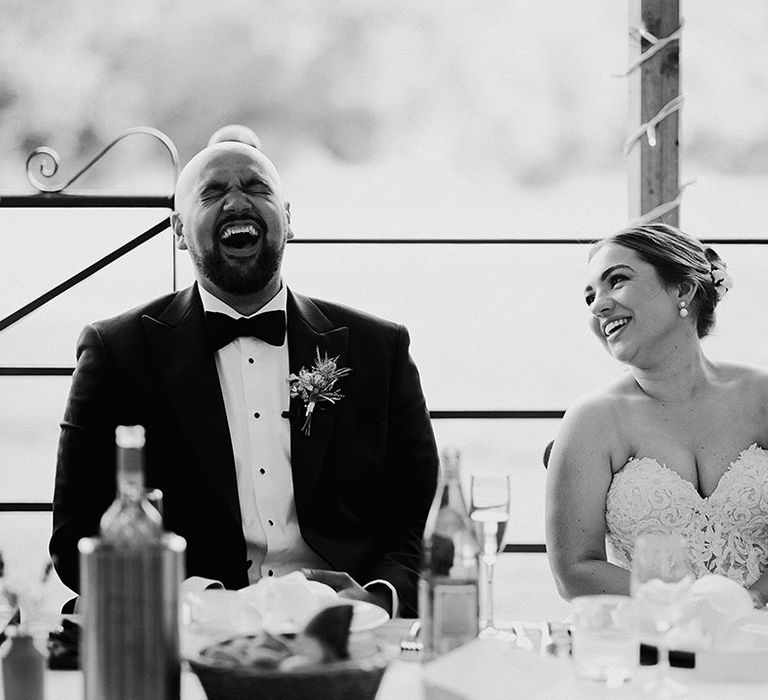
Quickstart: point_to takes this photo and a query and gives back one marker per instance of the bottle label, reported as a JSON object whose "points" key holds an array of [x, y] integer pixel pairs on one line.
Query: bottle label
{"points": [[455, 611]]}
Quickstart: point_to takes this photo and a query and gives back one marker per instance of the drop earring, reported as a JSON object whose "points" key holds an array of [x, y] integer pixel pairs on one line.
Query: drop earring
{"points": [[683, 311]]}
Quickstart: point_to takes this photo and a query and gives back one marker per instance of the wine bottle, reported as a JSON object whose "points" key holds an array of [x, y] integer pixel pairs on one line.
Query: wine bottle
{"points": [[448, 589], [131, 521], [129, 580]]}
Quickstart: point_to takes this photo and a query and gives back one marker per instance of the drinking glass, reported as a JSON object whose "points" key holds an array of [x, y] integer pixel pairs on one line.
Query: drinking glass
{"points": [[489, 510], [661, 576], [605, 644]]}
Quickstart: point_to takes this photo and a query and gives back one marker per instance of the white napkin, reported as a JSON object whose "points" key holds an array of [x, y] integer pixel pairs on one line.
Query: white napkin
{"points": [[210, 616], [712, 609], [286, 603]]}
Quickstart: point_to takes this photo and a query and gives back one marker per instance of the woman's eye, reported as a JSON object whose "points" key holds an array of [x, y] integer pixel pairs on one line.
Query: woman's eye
{"points": [[616, 279], [589, 299]]}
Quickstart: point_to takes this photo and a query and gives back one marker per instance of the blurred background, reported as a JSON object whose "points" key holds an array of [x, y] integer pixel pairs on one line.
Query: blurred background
{"points": [[472, 119]]}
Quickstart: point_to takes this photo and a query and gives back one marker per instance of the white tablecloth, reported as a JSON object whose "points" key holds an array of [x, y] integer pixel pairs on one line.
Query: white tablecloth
{"points": [[403, 682], [480, 671]]}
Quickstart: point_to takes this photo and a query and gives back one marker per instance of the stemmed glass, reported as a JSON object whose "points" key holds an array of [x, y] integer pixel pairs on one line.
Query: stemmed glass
{"points": [[489, 510], [661, 575]]}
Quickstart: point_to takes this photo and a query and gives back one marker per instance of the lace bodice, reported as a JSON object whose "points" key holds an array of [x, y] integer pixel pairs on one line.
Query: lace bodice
{"points": [[727, 532]]}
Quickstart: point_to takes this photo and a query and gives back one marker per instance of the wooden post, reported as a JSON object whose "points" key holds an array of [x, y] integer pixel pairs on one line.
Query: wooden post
{"points": [[654, 173]]}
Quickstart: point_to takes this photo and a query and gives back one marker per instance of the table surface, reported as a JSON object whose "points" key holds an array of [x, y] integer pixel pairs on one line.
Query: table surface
{"points": [[520, 673]]}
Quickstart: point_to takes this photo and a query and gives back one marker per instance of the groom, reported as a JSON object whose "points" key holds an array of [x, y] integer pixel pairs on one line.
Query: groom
{"points": [[254, 488]]}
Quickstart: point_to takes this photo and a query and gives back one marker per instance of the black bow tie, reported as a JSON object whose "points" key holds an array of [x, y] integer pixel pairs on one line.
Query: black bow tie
{"points": [[223, 329]]}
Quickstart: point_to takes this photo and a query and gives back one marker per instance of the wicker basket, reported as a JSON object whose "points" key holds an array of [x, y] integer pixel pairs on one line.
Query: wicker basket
{"points": [[343, 680]]}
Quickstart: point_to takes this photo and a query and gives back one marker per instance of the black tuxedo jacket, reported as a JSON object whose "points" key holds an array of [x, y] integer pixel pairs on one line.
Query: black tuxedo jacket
{"points": [[363, 479]]}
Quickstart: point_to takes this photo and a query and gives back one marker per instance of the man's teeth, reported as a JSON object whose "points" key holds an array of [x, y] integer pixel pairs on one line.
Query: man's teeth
{"points": [[234, 230], [613, 326]]}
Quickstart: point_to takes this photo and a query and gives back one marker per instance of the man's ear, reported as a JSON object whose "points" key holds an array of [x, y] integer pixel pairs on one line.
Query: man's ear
{"points": [[288, 219], [178, 231]]}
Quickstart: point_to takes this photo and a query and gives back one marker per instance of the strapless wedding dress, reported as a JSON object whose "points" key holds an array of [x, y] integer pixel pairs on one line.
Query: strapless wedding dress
{"points": [[727, 532]]}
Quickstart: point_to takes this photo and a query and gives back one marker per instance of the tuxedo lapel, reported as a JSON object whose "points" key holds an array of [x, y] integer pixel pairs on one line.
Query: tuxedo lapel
{"points": [[309, 330], [187, 370]]}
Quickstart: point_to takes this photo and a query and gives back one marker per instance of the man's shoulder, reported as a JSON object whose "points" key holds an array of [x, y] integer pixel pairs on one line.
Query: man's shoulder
{"points": [[132, 318], [341, 314]]}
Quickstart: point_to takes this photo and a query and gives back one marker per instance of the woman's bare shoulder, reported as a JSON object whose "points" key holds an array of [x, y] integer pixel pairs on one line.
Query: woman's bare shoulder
{"points": [[601, 406], [741, 369], [743, 377], [592, 428]]}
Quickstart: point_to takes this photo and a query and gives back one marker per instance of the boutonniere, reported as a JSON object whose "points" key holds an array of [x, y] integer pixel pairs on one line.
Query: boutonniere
{"points": [[317, 384]]}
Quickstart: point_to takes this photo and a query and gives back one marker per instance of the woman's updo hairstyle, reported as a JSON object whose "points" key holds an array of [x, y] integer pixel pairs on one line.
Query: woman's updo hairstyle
{"points": [[678, 258]]}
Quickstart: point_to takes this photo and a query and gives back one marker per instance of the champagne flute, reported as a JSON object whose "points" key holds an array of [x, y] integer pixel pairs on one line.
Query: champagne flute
{"points": [[489, 510], [660, 578]]}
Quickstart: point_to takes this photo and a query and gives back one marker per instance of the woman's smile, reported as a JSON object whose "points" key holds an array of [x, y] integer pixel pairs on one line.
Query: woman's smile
{"points": [[613, 327]]}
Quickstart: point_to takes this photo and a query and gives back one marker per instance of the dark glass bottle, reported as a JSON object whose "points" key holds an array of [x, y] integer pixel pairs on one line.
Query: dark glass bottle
{"points": [[131, 521], [130, 578], [448, 589]]}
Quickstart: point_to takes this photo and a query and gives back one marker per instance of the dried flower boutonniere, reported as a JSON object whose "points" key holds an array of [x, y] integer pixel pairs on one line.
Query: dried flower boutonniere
{"points": [[317, 384]]}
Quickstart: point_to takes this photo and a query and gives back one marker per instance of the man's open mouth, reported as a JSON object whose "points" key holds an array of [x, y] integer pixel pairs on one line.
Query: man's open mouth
{"points": [[240, 235]]}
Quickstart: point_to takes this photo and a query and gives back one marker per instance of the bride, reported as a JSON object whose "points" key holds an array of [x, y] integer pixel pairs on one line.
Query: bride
{"points": [[677, 444]]}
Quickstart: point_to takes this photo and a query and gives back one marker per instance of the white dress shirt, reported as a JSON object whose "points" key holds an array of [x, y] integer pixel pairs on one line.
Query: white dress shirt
{"points": [[253, 376]]}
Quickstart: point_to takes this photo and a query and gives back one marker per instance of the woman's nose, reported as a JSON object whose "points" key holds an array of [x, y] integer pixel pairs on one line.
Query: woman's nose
{"points": [[602, 303]]}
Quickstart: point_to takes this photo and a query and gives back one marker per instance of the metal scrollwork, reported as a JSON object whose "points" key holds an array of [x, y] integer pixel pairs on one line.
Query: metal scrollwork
{"points": [[45, 161]]}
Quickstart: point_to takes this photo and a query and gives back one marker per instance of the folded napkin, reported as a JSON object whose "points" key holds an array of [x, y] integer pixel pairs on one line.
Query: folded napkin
{"points": [[287, 603], [710, 612], [324, 640], [209, 616], [717, 632]]}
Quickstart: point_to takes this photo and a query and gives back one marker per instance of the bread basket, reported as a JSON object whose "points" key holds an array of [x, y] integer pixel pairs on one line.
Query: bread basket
{"points": [[353, 679]]}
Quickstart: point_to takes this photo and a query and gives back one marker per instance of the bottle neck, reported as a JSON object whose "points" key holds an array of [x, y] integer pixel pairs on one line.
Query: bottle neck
{"points": [[130, 472], [457, 500], [451, 469]]}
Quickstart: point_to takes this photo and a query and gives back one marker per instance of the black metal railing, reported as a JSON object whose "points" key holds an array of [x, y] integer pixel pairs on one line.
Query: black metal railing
{"points": [[49, 196], [83, 274]]}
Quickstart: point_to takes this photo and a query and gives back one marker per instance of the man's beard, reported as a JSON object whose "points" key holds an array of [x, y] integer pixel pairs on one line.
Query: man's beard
{"points": [[247, 277]]}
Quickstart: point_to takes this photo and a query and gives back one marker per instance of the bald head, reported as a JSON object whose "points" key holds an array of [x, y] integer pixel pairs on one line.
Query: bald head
{"points": [[221, 153], [235, 132]]}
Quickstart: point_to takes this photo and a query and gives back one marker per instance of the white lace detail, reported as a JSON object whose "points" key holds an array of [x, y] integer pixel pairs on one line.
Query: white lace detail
{"points": [[727, 532]]}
